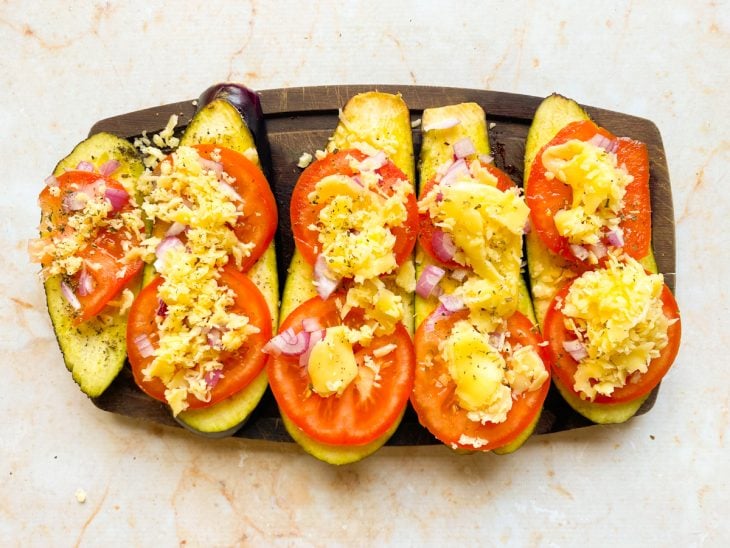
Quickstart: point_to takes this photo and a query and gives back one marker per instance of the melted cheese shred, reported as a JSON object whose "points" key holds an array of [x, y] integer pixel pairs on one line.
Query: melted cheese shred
{"points": [[598, 184], [617, 313], [486, 225], [198, 325]]}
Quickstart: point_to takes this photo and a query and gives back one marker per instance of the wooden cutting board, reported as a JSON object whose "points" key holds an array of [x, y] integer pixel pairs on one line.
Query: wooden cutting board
{"points": [[301, 120]]}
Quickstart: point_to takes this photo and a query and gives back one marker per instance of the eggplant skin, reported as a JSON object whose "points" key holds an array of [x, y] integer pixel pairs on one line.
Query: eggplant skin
{"points": [[95, 351]]}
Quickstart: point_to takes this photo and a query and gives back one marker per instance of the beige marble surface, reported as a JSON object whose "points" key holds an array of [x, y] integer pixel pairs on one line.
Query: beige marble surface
{"points": [[663, 478]]}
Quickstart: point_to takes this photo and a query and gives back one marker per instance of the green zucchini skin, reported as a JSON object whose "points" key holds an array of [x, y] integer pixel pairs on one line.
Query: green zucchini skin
{"points": [[220, 122], [381, 120], [549, 272], [95, 351], [436, 149]]}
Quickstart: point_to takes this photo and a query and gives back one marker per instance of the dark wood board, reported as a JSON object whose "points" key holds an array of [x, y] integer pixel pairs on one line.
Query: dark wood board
{"points": [[301, 120]]}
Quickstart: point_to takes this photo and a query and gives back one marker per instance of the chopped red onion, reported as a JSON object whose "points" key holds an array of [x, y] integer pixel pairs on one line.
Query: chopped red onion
{"points": [[486, 158], [428, 282], [117, 196], [576, 349], [214, 338], [377, 161], [287, 343], [452, 303], [613, 146], [599, 250], [109, 167], [444, 123], [144, 345], [51, 181], [167, 244], [161, 308], [464, 147], [443, 245], [175, 229], [497, 339], [311, 324], [459, 274], [459, 167], [210, 165], [324, 279], [609, 145], [579, 252], [212, 377], [68, 294], [229, 191], [85, 166], [86, 283], [528, 226], [314, 338], [435, 316], [73, 202], [615, 238]]}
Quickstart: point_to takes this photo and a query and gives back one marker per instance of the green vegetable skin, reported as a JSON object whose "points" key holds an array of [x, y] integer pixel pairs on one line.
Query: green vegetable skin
{"points": [[381, 120], [436, 150], [550, 272], [94, 351], [220, 122]]}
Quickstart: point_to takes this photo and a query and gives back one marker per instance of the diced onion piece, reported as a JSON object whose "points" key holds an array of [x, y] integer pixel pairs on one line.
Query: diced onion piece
{"points": [[287, 343], [166, 245], [609, 145], [576, 349], [229, 191], [615, 238], [599, 250], [528, 226], [212, 377], [459, 274], [86, 283], [73, 202], [486, 158], [161, 308], [118, 197], [452, 303], [214, 338], [175, 229], [51, 181], [210, 165], [68, 294], [311, 324], [459, 167], [496, 339], [324, 280], [464, 147], [428, 282], [443, 245], [85, 166], [314, 338], [444, 123], [435, 316], [144, 345], [109, 167], [579, 252]]}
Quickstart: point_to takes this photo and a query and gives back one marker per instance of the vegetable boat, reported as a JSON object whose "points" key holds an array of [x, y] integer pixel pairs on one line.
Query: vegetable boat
{"points": [[481, 375], [89, 220], [197, 329], [342, 365], [612, 324]]}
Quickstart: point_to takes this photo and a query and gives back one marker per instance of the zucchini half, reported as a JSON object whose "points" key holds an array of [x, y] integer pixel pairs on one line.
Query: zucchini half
{"points": [[220, 122], [95, 351], [381, 120], [548, 271], [436, 149]]}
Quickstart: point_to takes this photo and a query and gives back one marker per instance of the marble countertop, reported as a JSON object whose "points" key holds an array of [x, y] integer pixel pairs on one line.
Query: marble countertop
{"points": [[661, 478]]}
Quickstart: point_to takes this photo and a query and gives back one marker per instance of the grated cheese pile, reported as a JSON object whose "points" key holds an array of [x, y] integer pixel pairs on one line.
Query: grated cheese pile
{"points": [[617, 313], [598, 184], [198, 326]]}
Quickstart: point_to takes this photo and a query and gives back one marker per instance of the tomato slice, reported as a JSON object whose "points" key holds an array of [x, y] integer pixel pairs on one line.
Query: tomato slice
{"points": [[304, 214], [545, 197], [425, 223], [103, 255], [258, 223], [434, 397], [356, 417], [565, 366], [239, 367]]}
